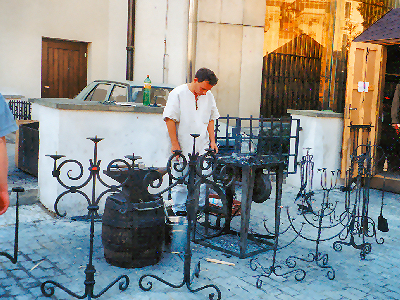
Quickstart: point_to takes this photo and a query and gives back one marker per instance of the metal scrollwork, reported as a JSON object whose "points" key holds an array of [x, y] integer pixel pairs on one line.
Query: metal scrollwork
{"points": [[48, 287], [192, 174], [360, 225]]}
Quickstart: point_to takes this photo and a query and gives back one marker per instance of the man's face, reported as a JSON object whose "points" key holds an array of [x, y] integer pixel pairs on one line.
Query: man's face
{"points": [[201, 88]]}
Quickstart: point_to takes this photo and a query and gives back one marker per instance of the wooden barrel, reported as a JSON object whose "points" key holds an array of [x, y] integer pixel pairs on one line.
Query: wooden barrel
{"points": [[133, 233]]}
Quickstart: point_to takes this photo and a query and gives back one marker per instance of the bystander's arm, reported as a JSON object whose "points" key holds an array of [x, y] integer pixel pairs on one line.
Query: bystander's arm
{"points": [[211, 134], [4, 199]]}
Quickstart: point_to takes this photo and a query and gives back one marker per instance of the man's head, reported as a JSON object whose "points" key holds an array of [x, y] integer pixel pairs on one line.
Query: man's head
{"points": [[203, 81], [205, 74]]}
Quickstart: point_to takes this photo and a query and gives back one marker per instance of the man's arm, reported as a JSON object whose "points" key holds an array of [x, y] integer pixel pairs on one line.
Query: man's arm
{"points": [[211, 134], [4, 200], [171, 126]]}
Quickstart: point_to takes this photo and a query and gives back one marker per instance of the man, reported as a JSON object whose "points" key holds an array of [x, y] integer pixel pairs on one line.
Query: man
{"points": [[190, 109], [7, 125]]}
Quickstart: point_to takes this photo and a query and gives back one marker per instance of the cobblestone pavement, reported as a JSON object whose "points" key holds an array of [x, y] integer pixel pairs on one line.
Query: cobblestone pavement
{"points": [[57, 249]]}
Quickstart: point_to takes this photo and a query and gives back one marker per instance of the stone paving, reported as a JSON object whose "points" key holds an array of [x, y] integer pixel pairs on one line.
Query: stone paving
{"points": [[53, 248], [57, 249]]}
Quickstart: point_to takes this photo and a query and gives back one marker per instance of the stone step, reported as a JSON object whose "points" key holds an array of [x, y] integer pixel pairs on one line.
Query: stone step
{"points": [[388, 182], [28, 197]]}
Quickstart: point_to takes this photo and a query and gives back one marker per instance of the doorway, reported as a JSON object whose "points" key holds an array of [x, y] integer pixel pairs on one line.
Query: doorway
{"points": [[64, 68], [390, 131]]}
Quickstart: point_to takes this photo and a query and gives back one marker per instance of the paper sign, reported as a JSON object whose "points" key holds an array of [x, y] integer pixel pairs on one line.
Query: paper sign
{"points": [[363, 86]]}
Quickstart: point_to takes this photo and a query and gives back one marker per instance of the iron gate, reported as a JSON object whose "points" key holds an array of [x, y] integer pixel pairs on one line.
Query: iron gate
{"points": [[291, 77]]}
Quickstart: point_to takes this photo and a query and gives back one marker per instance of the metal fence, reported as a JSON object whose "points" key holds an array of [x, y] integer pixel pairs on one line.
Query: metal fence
{"points": [[260, 136], [21, 109]]}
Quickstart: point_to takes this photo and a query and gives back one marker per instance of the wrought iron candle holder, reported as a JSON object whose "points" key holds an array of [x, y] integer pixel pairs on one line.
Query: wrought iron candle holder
{"points": [[312, 218], [275, 268], [13, 258], [361, 225], [351, 221], [303, 198], [48, 286], [194, 172], [316, 220]]}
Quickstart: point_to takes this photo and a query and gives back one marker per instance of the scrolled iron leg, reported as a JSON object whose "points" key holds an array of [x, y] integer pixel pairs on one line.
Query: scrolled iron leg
{"points": [[299, 274], [48, 287], [150, 285], [364, 247], [211, 295], [123, 285], [48, 291]]}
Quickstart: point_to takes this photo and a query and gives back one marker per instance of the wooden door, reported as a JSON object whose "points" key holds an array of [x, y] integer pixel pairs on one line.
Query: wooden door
{"points": [[64, 68], [366, 64]]}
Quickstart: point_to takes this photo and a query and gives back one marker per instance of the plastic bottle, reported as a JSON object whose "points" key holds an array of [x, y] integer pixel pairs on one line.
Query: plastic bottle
{"points": [[146, 91]]}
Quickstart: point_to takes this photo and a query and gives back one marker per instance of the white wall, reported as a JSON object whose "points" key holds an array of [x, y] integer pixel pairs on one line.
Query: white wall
{"points": [[323, 135], [158, 21], [230, 40], [65, 132], [117, 39], [23, 23]]}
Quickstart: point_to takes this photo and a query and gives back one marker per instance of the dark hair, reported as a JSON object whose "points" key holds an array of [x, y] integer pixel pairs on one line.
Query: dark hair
{"points": [[205, 74]]}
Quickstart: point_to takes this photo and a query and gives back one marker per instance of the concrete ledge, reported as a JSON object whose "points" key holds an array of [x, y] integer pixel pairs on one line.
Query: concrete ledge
{"points": [[315, 113], [72, 104]]}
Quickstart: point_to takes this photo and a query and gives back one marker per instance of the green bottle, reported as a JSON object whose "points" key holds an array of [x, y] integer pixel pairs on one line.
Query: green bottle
{"points": [[146, 91]]}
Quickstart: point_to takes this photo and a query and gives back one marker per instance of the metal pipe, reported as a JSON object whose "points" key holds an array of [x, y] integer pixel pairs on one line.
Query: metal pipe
{"points": [[130, 48], [166, 56], [192, 39]]}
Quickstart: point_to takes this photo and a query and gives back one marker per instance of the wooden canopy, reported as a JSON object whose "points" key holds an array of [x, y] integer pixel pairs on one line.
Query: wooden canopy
{"points": [[385, 31]]}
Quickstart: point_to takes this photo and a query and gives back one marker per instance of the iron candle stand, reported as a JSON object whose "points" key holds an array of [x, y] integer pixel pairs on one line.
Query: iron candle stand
{"points": [[361, 224], [311, 218], [47, 287], [192, 179], [327, 210], [275, 268], [14, 258], [306, 181]]}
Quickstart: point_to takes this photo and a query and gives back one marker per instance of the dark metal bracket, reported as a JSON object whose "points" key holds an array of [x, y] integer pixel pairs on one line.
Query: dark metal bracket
{"points": [[14, 258]]}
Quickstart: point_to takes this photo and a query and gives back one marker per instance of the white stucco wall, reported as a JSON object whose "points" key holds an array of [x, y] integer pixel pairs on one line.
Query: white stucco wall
{"points": [[322, 133], [65, 132], [23, 23], [230, 38], [161, 31], [229, 41], [117, 40]]}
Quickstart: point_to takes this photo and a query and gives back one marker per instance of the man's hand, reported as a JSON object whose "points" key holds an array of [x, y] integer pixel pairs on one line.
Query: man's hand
{"points": [[175, 146], [211, 135], [214, 146], [4, 201]]}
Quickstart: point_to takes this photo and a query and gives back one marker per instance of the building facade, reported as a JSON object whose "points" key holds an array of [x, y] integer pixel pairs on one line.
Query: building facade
{"points": [[270, 55]]}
